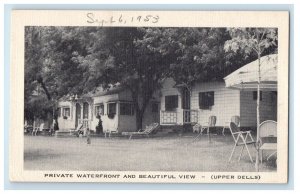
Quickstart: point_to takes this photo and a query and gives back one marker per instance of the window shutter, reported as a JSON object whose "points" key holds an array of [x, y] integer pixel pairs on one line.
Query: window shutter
{"points": [[212, 99], [206, 100]]}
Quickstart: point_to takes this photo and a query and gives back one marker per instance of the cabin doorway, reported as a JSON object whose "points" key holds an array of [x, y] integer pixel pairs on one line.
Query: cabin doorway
{"points": [[186, 105], [85, 110], [78, 115]]}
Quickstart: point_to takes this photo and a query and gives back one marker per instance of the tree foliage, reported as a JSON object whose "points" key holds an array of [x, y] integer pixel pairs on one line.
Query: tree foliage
{"points": [[132, 58], [199, 54], [76, 60], [260, 41], [50, 71]]}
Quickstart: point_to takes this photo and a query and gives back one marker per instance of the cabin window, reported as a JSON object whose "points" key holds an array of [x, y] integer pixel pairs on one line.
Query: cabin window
{"points": [[206, 100], [112, 109], [255, 95], [99, 109], [155, 107], [59, 112], [66, 112], [85, 110], [171, 102], [126, 109]]}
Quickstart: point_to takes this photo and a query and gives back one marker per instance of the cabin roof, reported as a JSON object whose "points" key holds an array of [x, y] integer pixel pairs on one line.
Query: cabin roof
{"points": [[103, 92], [97, 92]]}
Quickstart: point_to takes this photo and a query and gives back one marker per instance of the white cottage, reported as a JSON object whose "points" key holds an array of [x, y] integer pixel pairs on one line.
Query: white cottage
{"points": [[174, 105], [180, 106], [114, 106]]}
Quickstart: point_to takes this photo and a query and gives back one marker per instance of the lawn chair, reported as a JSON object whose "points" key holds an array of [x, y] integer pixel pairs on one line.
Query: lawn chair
{"points": [[78, 131], [240, 139], [235, 119], [109, 132], [28, 129], [149, 129], [196, 128], [37, 129], [268, 138], [211, 123]]}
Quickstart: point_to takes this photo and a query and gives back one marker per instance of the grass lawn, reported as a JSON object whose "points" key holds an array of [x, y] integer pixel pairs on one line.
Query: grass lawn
{"points": [[167, 153]]}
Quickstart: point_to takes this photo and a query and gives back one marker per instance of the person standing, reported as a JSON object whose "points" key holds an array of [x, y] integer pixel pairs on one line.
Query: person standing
{"points": [[99, 127], [88, 136]]}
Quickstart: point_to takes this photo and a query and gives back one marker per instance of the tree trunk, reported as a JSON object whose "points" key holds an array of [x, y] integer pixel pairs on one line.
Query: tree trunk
{"points": [[140, 108], [55, 117], [139, 120], [40, 80], [257, 117]]}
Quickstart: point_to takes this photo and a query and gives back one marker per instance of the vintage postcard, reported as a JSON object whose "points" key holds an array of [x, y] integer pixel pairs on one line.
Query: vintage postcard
{"points": [[149, 96]]}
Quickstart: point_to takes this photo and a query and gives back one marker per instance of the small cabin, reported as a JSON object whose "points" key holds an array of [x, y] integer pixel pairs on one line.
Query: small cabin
{"points": [[115, 108], [182, 106]]}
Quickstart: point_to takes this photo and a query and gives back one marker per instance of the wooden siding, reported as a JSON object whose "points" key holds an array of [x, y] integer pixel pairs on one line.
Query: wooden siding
{"points": [[166, 90], [107, 123], [226, 102], [268, 108], [121, 122], [69, 123], [128, 122]]}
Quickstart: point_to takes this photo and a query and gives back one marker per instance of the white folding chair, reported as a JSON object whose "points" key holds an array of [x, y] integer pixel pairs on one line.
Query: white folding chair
{"points": [[241, 138], [235, 119], [268, 138]]}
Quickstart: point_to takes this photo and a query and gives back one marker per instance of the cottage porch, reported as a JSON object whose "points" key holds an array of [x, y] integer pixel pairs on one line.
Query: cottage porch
{"points": [[178, 117]]}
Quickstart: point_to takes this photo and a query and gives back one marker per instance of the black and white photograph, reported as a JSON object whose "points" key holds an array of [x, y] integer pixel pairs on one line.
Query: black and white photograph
{"points": [[100, 99]]}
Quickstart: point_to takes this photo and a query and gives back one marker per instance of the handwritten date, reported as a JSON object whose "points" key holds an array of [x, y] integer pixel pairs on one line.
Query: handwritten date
{"points": [[120, 19]]}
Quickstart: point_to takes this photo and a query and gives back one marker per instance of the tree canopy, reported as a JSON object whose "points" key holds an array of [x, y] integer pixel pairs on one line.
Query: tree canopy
{"points": [[50, 71], [132, 58], [77, 60], [258, 41]]}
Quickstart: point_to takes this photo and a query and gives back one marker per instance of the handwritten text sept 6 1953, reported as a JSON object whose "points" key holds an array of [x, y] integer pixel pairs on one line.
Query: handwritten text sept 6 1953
{"points": [[121, 19]]}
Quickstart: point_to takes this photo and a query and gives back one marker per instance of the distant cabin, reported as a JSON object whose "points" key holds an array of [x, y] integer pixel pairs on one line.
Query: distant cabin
{"points": [[180, 106], [115, 107]]}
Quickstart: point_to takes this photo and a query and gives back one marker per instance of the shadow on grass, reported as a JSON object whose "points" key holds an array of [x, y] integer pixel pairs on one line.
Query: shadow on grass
{"points": [[39, 155]]}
